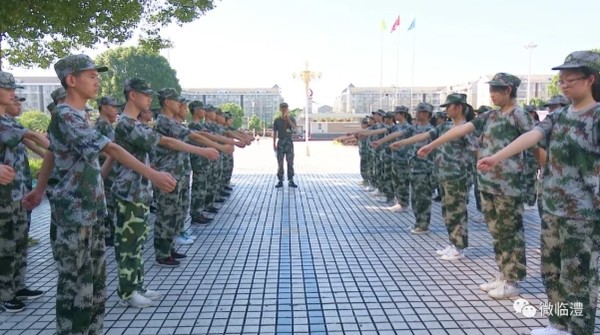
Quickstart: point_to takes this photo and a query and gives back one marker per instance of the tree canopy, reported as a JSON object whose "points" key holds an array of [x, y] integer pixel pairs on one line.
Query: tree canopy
{"points": [[35, 33], [236, 111], [129, 62]]}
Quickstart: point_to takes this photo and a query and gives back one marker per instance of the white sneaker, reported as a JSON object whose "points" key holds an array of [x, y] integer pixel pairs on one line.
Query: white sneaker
{"points": [[137, 300], [181, 240], [418, 230], [549, 330], [492, 284], [504, 291], [397, 208], [152, 295], [446, 250], [377, 193], [369, 188], [454, 255], [529, 208], [381, 199]]}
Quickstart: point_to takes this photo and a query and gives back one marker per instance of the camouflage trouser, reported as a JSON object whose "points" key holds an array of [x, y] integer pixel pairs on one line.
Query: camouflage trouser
{"points": [[504, 217], [375, 168], [401, 181], [387, 187], [369, 166], [364, 166], [454, 210], [229, 170], [168, 216], [185, 201], [540, 203], [53, 233], [199, 190], [570, 271], [529, 189], [421, 199], [111, 209], [476, 193], [81, 284], [13, 248], [285, 148], [131, 234]]}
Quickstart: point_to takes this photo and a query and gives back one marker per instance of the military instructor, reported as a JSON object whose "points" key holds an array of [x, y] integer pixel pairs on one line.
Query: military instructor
{"points": [[283, 128]]}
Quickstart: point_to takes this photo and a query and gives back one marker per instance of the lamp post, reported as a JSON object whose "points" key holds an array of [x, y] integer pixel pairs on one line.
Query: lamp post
{"points": [[306, 76], [529, 47]]}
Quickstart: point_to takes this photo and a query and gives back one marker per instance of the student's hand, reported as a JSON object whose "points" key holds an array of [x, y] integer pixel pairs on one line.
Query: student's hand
{"points": [[209, 153], [424, 151], [228, 149], [395, 146], [375, 144], [240, 144], [7, 174], [487, 163], [32, 199], [163, 181]]}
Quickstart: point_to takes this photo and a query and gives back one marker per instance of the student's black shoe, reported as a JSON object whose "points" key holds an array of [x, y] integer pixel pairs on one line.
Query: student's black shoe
{"points": [[152, 209], [109, 242], [12, 306], [220, 200], [27, 294], [292, 184], [279, 184], [212, 210], [176, 255], [225, 194], [201, 220], [228, 188], [168, 262], [437, 198]]}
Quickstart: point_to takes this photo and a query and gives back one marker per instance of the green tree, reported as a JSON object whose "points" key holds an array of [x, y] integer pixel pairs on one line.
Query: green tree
{"points": [[38, 32], [292, 112], [128, 62], [236, 111], [553, 87], [537, 102], [34, 120], [255, 123]]}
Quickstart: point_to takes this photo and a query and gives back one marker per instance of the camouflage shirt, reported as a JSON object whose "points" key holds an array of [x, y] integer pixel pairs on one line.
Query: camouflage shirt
{"points": [[497, 130], [78, 197], [139, 140], [184, 155], [453, 159], [105, 128], [198, 162], [166, 159], [403, 153], [14, 153], [572, 180], [420, 164]]}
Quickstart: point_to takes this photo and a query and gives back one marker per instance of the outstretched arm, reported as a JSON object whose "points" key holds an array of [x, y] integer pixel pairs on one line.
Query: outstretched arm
{"points": [[200, 139], [453, 133], [411, 140], [519, 145], [388, 138]]}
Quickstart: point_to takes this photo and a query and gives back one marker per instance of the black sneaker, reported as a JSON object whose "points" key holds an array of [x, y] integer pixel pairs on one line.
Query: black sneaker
{"points": [[201, 220], [212, 209], [292, 184], [437, 198], [228, 188], [26, 293], [279, 184], [220, 200], [12, 306], [225, 194], [168, 262], [109, 242], [176, 255]]}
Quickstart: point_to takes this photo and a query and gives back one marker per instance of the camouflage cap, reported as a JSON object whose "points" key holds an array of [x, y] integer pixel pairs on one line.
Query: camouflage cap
{"points": [[389, 115], [168, 94], [228, 116], [364, 120], [557, 100], [51, 106], [195, 105], [107, 100], [183, 100], [424, 107], [7, 80], [57, 94], [379, 112], [505, 80], [483, 109], [400, 109], [370, 117], [455, 98], [441, 114], [530, 108], [218, 111], [20, 99], [75, 63], [577, 59], [139, 85], [283, 104], [210, 108]]}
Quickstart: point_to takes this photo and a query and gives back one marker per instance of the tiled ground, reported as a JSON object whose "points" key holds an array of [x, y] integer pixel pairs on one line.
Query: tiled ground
{"points": [[325, 258]]}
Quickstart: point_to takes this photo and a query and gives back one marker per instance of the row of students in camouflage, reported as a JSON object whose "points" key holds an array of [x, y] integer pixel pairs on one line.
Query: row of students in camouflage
{"points": [[14, 218]]}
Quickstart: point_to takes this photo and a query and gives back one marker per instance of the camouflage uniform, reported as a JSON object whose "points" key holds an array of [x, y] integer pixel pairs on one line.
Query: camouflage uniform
{"points": [[401, 168], [571, 202], [362, 153], [420, 179], [169, 216], [105, 128], [214, 170], [13, 217], [133, 194], [285, 147], [501, 188], [452, 162], [201, 168], [387, 187]]}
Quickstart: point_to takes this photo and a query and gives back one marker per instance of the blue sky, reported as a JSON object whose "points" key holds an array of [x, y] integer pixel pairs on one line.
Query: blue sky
{"points": [[260, 43]]}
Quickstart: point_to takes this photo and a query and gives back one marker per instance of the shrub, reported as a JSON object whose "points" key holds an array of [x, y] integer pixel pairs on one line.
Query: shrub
{"points": [[35, 120], [35, 164]]}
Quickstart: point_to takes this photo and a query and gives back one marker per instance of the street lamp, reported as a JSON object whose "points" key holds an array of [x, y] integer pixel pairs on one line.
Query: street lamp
{"points": [[529, 47], [306, 76]]}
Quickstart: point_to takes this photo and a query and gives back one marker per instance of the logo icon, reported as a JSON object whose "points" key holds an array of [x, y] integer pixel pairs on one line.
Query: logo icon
{"points": [[522, 306]]}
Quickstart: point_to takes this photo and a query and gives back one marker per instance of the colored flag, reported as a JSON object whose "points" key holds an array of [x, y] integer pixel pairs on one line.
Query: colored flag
{"points": [[412, 25], [383, 25], [396, 24]]}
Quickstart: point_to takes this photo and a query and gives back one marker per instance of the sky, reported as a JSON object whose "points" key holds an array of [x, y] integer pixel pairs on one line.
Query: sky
{"points": [[260, 43]]}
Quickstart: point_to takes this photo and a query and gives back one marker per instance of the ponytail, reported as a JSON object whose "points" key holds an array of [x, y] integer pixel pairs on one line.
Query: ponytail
{"points": [[588, 71], [408, 118], [469, 113]]}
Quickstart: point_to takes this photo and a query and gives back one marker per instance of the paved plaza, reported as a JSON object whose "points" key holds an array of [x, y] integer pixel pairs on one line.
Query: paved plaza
{"points": [[323, 258]]}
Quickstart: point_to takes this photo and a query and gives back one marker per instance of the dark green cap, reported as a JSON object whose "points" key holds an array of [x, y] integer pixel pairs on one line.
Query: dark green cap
{"points": [[7, 80], [424, 107], [168, 94], [455, 98], [577, 59], [107, 101], [75, 63], [505, 80], [139, 85], [483, 109], [58, 94]]}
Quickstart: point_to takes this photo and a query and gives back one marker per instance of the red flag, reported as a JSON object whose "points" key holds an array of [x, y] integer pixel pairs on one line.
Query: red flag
{"points": [[396, 24]]}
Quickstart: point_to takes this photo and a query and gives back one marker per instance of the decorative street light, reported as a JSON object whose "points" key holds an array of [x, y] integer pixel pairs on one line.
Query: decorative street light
{"points": [[529, 47], [306, 76]]}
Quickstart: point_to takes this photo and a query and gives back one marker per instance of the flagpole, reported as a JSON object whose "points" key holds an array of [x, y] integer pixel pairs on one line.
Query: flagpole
{"points": [[412, 76], [381, 69], [397, 69]]}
